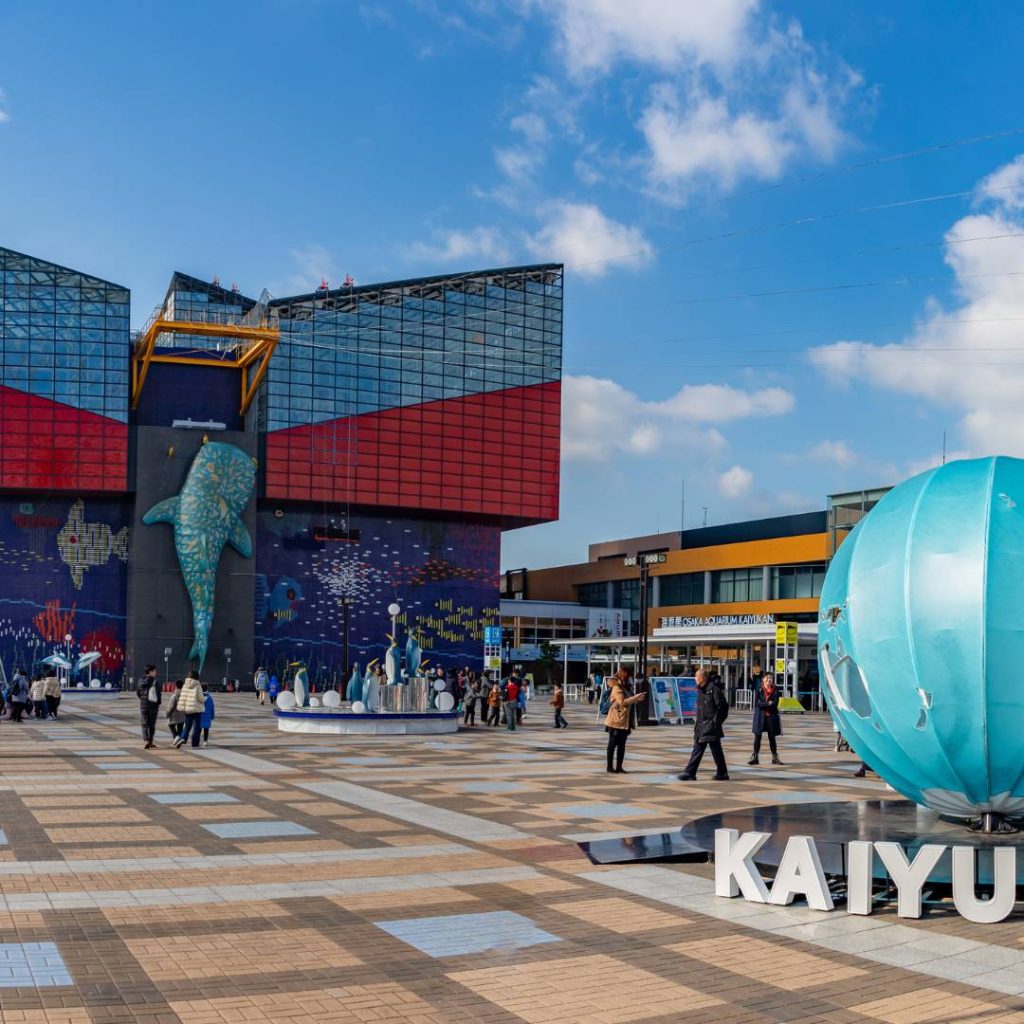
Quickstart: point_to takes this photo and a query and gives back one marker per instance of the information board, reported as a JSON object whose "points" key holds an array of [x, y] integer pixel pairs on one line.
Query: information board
{"points": [[675, 698]]}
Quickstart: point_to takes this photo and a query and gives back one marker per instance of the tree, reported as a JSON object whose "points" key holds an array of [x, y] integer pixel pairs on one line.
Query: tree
{"points": [[548, 658]]}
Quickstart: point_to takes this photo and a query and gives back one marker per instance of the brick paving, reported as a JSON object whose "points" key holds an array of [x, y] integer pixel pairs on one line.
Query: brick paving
{"points": [[420, 880]]}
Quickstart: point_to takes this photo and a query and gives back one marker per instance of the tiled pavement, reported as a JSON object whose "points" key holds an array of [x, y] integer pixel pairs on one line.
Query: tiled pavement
{"points": [[417, 881]]}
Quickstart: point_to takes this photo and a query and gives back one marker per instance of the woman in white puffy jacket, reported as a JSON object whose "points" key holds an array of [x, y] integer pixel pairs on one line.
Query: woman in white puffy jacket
{"points": [[191, 700]]}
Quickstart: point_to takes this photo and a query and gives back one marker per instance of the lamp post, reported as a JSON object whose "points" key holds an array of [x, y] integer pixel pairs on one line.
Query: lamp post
{"points": [[394, 610], [346, 604], [644, 562]]}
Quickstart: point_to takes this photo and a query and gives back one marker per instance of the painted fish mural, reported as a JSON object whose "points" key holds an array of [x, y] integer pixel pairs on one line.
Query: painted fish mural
{"points": [[206, 515], [281, 604], [83, 545]]}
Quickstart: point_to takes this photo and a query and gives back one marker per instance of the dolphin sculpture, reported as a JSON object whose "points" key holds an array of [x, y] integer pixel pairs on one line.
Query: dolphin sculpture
{"points": [[206, 515]]}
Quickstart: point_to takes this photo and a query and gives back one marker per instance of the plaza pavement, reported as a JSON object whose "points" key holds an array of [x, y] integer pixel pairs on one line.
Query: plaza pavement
{"points": [[424, 880]]}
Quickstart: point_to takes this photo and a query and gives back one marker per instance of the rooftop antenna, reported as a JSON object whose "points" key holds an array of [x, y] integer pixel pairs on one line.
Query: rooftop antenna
{"points": [[705, 508], [943, 447]]}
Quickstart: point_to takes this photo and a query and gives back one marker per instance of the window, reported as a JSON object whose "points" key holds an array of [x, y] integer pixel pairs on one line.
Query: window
{"points": [[682, 588], [790, 582], [728, 585], [593, 595]]}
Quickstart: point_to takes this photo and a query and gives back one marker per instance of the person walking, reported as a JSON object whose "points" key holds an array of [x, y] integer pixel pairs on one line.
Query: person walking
{"points": [[621, 718], [51, 694], [175, 715], [493, 703], [262, 684], [206, 718], [558, 702], [19, 695], [521, 698], [38, 696], [470, 699], [148, 692], [191, 701], [511, 697], [766, 718], [712, 711]]}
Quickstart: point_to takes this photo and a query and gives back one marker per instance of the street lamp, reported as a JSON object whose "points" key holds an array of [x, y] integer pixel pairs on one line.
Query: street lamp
{"points": [[644, 562], [394, 610], [346, 604]]}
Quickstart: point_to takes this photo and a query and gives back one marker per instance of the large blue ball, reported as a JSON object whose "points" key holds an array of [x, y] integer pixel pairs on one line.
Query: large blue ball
{"points": [[921, 637]]}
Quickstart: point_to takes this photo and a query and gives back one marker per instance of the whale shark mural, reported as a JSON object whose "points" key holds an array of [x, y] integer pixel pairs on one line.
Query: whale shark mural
{"points": [[206, 515]]}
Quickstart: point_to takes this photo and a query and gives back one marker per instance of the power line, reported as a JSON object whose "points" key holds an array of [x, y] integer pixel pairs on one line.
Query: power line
{"points": [[796, 222], [899, 282], [833, 172]]}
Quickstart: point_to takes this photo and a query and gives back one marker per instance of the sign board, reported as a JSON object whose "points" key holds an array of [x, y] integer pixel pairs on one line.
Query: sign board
{"points": [[634, 560], [492, 663], [492, 636], [686, 697], [717, 620], [786, 633], [666, 705], [780, 666]]}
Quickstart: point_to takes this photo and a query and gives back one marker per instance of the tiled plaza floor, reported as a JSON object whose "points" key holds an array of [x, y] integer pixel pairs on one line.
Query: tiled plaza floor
{"points": [[424, 880]]}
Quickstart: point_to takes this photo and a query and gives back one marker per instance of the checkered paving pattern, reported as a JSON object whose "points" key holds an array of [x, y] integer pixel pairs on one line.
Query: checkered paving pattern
{"points": [[404, 880]]}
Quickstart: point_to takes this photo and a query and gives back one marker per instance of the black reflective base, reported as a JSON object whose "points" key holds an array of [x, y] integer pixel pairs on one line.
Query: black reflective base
{"points": [[832, 826]]}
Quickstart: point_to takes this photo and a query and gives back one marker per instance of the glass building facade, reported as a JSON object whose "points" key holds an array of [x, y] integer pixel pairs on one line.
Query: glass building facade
{"points": [[439, 394], [64, 345]]}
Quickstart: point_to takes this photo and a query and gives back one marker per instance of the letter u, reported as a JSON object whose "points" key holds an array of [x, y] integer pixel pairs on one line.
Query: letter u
{"points": [[1004, 884]]}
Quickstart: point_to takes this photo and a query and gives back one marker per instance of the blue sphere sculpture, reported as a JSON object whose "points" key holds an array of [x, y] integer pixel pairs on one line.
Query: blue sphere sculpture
{"points": [[921, 634]]}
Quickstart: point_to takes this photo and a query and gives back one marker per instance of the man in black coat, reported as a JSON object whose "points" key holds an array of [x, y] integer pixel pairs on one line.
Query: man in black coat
{"points": [[148, 692], [712, 709]]}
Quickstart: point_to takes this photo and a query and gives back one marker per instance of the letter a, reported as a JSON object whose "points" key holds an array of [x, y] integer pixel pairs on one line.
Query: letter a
{"points": [[1004, 885], [800, 873], [909, 876], [734, 871]]}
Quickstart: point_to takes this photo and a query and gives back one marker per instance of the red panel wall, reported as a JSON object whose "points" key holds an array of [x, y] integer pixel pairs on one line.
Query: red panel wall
{"points": [[45, 445], [495, 453]]}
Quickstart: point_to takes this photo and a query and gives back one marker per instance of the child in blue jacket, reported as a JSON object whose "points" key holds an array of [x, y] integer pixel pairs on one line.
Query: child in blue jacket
{"points": [[206, 718]]}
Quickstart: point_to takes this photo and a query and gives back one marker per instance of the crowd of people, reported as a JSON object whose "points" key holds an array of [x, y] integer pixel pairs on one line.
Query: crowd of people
{"points": [[22, 698], [190, 710]]}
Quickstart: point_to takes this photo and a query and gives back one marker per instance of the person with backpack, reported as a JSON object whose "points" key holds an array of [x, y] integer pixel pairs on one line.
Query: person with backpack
{"points": [[19, 695], [712, 711], [620, 717], [207, 716], [148, 692]]}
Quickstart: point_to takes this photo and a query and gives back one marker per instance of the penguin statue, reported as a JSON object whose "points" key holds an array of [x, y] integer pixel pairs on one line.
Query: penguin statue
{"points": [[354, 690], [371, 688], [413, 656], [393, 662]]}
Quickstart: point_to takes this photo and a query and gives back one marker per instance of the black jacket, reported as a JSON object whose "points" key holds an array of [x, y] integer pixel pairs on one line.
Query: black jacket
{"points": [[142, 690], [766, 713], [712, 708]]}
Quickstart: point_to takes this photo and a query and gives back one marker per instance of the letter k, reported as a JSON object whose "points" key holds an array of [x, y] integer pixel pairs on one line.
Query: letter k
{"points": [[735, 873]]}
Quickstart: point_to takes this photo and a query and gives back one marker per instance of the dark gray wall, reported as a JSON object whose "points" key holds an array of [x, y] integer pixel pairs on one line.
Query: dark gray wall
{"points": [[159, 610]]}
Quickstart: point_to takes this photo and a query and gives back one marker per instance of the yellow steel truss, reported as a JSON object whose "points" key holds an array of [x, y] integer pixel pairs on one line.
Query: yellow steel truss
{"points": [[251, 353]]}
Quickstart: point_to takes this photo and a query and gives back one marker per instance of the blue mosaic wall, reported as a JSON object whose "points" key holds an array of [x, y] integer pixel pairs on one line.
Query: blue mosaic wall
{"points": [[64, 569], [443, 574]]}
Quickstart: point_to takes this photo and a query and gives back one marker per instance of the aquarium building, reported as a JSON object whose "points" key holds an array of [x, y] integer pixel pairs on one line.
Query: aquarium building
{"points": [[395, 430]]}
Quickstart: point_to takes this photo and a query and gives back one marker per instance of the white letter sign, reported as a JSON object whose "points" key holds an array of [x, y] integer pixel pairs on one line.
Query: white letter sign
{"points": [[734, 872], [800, 874]]}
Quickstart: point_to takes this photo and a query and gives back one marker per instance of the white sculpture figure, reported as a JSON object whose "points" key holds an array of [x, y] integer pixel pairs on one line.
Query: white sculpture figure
{"points": [[393, 662], [301, 685]]}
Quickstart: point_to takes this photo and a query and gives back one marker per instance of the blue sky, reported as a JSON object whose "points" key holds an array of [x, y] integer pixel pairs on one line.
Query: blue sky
{"points": [[765, 295]]}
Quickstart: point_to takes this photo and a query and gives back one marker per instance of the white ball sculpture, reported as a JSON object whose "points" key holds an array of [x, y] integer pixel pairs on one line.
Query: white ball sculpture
{"points": [[286, 700], [358, 707], [332, 699]]}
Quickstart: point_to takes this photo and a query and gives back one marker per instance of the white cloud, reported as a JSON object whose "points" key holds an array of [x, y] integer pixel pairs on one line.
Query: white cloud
{"points": [[735, 482], [594, 34], [480, 243], [736, 93], [971, 365], [310, 264], [580, 235], [838, 453], [601, 418]]}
